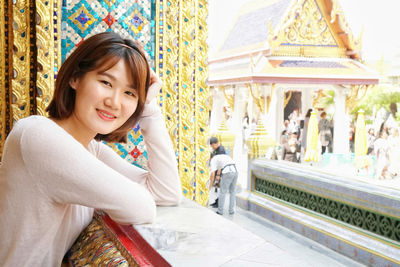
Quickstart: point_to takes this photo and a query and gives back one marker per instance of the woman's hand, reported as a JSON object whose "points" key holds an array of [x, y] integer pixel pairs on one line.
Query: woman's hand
{"points": [[155, 86]]}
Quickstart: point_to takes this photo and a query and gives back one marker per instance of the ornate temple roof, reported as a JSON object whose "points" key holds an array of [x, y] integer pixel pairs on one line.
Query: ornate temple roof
{"points": [[246, 32], [303, 41]]}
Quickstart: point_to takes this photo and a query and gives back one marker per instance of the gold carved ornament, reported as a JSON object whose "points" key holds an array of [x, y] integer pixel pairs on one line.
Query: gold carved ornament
{"points": [[3, 88], [45, 53], [170, 40], [186, 130], [357, 93], [317, 97], [201, 102], [304, 32], [229, 98], [258, 99], [287, 98], [337, 13], [21, 59], [174, 94]]}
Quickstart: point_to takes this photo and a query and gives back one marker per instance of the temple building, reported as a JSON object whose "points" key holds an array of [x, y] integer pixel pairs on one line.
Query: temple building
{"points": [[280, 56]]}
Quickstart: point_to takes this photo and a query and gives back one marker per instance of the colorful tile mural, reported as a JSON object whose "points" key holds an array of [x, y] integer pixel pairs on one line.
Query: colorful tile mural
{"points": [[131, 19], [87, 17], [135, 150]]}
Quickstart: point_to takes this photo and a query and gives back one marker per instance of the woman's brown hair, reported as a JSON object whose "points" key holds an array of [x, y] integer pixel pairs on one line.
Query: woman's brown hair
{"points": [[101, 51]]}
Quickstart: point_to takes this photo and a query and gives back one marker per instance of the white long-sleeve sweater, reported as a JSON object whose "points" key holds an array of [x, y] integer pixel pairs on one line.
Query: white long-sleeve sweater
{"points": [[50, 185]]}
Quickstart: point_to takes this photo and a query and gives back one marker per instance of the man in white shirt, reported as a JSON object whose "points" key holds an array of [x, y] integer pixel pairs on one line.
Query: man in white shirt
{"points": [[228, 178]]}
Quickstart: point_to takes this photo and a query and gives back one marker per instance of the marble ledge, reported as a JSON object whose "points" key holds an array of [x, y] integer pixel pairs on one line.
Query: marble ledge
{"points": [[192, 235]]}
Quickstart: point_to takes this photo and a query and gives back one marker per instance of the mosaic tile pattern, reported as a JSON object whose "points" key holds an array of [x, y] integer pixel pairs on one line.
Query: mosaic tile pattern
{"points": [[84, 18], [134, 151], [135, 20]]}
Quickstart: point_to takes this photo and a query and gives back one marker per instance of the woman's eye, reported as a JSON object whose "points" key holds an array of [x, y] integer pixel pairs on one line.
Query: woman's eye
{"points": [[106, 83], [130, 93]]}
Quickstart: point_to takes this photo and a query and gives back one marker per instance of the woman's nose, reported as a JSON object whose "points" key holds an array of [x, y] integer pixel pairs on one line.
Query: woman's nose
{"points": [[113, 99]]}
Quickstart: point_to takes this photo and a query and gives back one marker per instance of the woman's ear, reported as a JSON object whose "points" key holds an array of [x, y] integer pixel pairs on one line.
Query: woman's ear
{"points": [[73, 83]]}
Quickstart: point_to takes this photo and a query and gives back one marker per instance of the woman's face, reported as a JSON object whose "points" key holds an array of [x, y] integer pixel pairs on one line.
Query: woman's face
{"points": [[105, 100]]}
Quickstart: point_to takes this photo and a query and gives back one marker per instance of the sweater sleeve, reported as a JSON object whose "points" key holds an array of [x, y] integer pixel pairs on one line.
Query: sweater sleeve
{"points": [[65, 172], [162, 178]]}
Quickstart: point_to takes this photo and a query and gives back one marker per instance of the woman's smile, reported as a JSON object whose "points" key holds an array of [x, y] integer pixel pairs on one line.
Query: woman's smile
{"points": [[105, 115]]}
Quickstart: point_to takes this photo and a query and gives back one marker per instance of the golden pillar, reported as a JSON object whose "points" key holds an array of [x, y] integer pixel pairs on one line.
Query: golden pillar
{"points": [[181, 42]]}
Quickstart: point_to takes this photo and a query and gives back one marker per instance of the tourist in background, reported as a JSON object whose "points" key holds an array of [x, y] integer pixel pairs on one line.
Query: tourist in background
{"points": [[370, 140], [291, 149], [381, 151], [217, 149], [325, 134], [223, 168], [304, 131], [394, 152]]}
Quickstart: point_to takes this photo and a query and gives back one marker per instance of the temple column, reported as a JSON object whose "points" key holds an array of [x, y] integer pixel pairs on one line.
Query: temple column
{"points": [[217, 109], [237, 125], [341, 123], [274, 118], [306, 100]]}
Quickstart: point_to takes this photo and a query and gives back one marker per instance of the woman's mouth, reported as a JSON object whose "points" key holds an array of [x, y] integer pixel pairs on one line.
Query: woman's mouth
{"points": [[105, 115]]}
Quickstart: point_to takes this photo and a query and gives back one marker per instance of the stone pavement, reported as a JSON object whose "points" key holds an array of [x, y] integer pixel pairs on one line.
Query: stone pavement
{"points": [[282, 247]]}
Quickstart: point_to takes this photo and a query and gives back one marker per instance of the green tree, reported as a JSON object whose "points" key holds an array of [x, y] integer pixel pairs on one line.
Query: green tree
{"points": [[380, 96]]}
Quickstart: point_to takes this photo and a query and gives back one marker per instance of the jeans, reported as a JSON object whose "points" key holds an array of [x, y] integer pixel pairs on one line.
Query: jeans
{"points": [[228, 182]]}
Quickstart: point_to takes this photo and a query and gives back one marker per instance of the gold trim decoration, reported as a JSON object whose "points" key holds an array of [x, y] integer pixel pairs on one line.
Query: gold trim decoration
{"points": [[182, 64], [229, 98], [287, 99], [45, 53], [170, 72], [258, 99], [3, 88], [187, 156], [201, 102], [57, 36], [20, 83], [312, 51]]}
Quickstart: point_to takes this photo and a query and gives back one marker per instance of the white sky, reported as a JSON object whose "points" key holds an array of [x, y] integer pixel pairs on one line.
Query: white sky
{"points": [[380, 20]]}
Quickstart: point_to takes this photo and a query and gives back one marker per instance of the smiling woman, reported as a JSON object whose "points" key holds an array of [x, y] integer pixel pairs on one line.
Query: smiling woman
{"points": [[104, 58], [55, 171], [103, 103]]}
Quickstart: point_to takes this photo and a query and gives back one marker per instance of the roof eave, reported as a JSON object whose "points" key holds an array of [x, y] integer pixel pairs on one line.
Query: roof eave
{"points": [[285, 79]]}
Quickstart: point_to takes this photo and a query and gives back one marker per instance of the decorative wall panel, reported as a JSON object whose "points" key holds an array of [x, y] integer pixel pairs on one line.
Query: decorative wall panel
{"points": [[181, 60], [88, 17], [21, 83], [186, 121], [3, 52], [134, 151], [46, 44], [201, 112]]}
